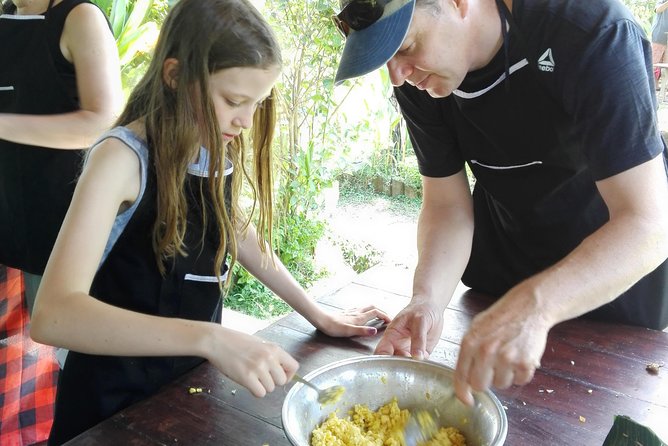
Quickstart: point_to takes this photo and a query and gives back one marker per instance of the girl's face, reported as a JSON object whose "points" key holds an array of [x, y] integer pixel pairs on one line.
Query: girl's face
{"points": [[236, 93]]}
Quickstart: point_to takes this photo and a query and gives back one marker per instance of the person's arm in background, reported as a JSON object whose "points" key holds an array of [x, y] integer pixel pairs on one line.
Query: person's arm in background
{"points": [[661, 7], [444, 237], [88, 43], [272, 273], [505, 343]]}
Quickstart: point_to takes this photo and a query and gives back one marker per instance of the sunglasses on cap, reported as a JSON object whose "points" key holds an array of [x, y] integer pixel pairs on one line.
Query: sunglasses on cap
{"points": [[357, 15]]}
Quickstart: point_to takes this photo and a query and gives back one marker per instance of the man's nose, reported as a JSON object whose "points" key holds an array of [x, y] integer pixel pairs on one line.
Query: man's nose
{"points": [[398, 72]]}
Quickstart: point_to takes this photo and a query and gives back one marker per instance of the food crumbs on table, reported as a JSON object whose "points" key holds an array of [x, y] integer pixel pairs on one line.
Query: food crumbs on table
{"points": [[233, 391], [589, 391], [384, 426], [572, 362], [427, 395], [549, 390], [383, 379], [653, 368], [193, 390], [524, 403], [582, 419]]}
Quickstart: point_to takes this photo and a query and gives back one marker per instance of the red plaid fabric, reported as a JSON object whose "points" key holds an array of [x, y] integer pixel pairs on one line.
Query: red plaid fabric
{"points": [[28, 371]]}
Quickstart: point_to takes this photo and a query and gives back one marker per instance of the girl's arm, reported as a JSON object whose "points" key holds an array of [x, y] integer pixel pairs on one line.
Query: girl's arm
{"points": [[65, 314], [271, 272], [87, 43]]}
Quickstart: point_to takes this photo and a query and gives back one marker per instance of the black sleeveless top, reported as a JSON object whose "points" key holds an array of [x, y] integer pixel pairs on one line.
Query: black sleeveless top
{"points": [[91, 388], [36, 183]]}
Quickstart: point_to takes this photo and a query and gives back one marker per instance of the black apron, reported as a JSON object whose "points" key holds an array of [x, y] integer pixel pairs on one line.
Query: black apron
{"points": [[529, 219], [523, 193], [91, 388], [36, 183]]}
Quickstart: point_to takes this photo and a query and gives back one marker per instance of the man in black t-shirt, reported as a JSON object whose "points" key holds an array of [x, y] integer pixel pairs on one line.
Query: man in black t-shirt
{"points": [[551, 104]]}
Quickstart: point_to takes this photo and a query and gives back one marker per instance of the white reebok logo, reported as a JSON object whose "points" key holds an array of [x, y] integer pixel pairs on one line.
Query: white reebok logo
{"points": [[546, 61]]}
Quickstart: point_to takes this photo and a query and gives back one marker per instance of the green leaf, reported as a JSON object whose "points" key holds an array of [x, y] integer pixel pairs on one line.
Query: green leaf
{"points": [[626, 432], [136, 40], [104, 5], [139, 12], [117, 18]]}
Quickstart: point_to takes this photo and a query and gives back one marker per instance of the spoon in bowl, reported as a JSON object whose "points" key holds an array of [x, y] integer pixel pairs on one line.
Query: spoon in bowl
{"points": [[325, 396], [419, 428]]}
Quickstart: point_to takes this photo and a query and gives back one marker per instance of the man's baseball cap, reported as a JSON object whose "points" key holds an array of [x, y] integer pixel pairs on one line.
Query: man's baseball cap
{"points": [[374, 31]]}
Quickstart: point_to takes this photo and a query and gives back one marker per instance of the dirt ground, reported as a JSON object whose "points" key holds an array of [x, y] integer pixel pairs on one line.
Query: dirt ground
{"points": [[374, 228]]}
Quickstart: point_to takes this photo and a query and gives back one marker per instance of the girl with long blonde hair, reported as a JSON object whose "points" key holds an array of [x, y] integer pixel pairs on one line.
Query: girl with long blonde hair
{"points": [[133, 286]]}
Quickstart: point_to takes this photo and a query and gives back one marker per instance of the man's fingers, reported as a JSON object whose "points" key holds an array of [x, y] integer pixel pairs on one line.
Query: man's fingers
{"points": [[384, 347], [524, 374], [503, 377], [463, 392], [419, 339]]}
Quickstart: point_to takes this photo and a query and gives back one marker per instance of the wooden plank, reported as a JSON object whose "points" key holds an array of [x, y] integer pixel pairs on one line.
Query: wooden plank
{"points": [[202, 419]]}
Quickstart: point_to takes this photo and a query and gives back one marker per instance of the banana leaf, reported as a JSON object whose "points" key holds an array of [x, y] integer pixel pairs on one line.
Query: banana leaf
{"points": [[626, 432]]}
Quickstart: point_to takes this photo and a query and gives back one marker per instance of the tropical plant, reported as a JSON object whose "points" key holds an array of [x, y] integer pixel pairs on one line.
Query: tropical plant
{"points": [[303, 145], [135, 24]]}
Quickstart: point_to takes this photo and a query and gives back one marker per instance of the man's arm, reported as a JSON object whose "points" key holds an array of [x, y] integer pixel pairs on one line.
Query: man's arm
{"points": [[631, 245], [662, 7], [444, 237], [506, 342]]}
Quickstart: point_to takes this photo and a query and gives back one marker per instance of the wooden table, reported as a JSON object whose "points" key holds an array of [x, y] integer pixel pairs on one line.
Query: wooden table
{"points": [[590, 372]]}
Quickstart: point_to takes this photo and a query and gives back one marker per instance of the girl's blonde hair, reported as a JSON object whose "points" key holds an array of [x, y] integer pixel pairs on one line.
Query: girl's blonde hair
{"points": [[205, 36]]}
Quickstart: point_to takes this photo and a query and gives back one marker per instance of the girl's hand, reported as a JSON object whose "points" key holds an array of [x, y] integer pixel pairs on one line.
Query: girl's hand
{"points": [[258, 365], [352, 322]]}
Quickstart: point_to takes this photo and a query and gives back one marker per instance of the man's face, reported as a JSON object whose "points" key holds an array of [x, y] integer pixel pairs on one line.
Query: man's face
{"points": [[433, 56]]}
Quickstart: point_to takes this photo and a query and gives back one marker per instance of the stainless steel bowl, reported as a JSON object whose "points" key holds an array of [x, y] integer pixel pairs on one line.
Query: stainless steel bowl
{"points": [[375, 380]]}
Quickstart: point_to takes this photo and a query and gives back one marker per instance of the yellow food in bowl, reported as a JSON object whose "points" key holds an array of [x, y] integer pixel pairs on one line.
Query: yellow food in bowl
{"points": [[383, 427]]}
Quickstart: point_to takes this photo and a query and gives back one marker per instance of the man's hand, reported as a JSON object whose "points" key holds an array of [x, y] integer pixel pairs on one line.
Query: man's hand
{"points": [[502, 347], [413, 332]]}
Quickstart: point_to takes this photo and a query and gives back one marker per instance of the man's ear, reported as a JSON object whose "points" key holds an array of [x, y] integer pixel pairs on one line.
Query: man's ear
{"points": [[170, 72]]}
